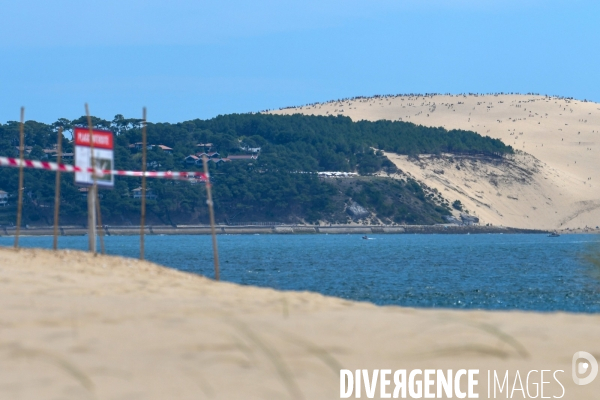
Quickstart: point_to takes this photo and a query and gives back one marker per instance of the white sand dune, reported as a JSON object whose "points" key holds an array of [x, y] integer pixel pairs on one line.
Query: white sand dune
{"points": [[557, 139], [75, 326]]}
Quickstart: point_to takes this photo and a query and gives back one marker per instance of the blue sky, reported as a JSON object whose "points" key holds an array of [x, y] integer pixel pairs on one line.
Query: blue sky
{"points": [[198, 59]]}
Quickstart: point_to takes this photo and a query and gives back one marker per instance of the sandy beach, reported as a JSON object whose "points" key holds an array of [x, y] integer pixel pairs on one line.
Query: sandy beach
{"points": [[551, 183], [75, 326]]}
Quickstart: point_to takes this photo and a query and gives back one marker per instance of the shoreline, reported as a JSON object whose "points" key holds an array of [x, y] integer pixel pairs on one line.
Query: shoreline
{"points": [[273, 229]]}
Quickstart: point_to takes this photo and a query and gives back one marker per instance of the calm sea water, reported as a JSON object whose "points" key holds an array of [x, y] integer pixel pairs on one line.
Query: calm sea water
{"points": [[525, 272]]}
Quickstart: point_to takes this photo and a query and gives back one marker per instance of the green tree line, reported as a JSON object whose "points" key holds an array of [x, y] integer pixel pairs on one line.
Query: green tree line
{"points": [[277, 186]]}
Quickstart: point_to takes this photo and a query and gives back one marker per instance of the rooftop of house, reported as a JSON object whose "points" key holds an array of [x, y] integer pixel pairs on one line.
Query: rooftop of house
{"points": [[26, 148]]}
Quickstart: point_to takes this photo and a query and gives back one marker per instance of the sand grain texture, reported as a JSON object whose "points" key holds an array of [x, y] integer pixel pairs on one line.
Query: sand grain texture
{"points": [[74, 326]]}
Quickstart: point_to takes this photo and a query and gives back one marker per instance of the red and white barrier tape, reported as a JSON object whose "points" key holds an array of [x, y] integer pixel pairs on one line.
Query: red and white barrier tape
{"points": [[50, 166]]}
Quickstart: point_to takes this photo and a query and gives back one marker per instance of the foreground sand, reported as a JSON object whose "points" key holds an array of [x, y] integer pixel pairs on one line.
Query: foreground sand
{"points": [[559, 140], [74, 326]]}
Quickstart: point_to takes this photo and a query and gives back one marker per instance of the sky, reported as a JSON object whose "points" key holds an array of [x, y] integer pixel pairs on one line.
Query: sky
{"points": [[187, 59]]}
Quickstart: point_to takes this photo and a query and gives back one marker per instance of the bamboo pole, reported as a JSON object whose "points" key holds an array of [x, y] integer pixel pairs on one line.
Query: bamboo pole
{"points": [[143, 205], [211, 213], [57, 188], [21, 155]]}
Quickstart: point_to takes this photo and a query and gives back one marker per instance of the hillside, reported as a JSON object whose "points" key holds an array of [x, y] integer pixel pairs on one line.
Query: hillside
{"points": [[550, 184], [264, 169]]}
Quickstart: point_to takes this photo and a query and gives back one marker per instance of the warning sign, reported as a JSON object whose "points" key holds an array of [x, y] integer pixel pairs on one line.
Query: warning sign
{"points": [[103, 156]]}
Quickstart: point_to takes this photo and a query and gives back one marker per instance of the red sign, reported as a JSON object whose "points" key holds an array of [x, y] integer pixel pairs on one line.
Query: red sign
{"points": [[102, 139]]}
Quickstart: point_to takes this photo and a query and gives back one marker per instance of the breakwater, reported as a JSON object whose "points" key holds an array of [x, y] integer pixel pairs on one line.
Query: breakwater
{"points": [[271, 229]]}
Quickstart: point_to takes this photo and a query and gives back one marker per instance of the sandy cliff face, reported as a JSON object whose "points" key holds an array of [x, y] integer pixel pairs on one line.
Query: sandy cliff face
{"points": [[553, 180]]}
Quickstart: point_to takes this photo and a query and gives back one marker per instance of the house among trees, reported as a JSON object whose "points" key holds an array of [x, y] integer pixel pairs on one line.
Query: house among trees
{"points": [[166, 149], [219, 160], [205, 146], [197, 160], [138, 146], [49, 153], [214, 157], [63, 156], [26, 150], [191, 160], [213, 154], [251, 149], [37, 152], [137, 194], [3, 198]]}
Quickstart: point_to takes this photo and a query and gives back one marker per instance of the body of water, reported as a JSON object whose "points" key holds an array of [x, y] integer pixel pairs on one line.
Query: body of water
{"points": [[524, 272]]}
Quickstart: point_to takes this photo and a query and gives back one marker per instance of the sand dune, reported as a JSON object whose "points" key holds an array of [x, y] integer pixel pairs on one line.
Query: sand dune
{"points": [[560, 139], [75, 326]]}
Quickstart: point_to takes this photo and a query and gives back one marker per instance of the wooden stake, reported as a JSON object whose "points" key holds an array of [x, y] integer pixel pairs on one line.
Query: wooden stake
{"points": [[100, 228], [21, 151], [57, 188], [99, 218], [91, 200], [92, 192], [143, 205], [212, 218]]}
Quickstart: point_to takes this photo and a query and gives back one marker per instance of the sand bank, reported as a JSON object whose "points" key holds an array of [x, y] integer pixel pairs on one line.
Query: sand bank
{"points": [[558, 138], [74, 326]]}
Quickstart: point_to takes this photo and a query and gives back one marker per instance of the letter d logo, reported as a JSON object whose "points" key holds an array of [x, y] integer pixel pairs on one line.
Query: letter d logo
{"points": [[581, 367]]}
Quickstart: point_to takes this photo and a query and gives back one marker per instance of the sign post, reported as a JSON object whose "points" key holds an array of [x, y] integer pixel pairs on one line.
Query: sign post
{"points": [[57, 188], [211, 213], [91, 205], [143, 199], [21, 150], [97, 154]]}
